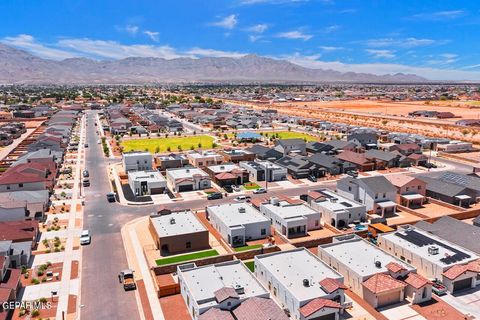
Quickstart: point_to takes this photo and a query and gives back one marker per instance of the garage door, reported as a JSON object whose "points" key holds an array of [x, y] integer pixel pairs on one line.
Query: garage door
{"points": [[188, 187], [330, 316], [462, 284], [388, 299]]}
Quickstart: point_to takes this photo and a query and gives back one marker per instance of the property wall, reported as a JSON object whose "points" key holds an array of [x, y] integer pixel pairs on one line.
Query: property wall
{"points": [[177, 244], [415, 295]]}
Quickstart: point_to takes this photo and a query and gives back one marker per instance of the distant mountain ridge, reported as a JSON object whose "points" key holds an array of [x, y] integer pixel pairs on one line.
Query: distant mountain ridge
{"points": [[20, 67]]}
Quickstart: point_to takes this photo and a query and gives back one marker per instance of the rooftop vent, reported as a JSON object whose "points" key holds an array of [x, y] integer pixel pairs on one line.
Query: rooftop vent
{"points": [[188, 170], [239, 289], [433, 250], [274, 201], [378, 264], [172, 221], [306, 283], [241, 210]]}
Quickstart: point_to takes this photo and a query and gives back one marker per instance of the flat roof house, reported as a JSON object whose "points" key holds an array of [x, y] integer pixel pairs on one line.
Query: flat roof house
{"points": [[204, 159], [238, 223], [376, 276], [222, 286], [264, 170], [146, 182], [227, 174], [170, 161], [187, 179], [137, 161], [237, 155], [302, 284], [376, 193], [290, 217], [434, 257], [178, 232], [335, 209]]}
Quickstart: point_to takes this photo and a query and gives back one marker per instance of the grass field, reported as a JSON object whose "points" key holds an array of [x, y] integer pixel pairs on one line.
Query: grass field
{"points": [[246, 248], [290, 135], [185, 143], [250, 265], [187, 257]]}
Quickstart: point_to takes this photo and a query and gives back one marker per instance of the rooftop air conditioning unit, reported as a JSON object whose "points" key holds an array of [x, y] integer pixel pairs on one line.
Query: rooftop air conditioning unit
{"points": [[378, 264], [306, 283], [241, 210], [239, 289], [433, 250], [172, 221]]}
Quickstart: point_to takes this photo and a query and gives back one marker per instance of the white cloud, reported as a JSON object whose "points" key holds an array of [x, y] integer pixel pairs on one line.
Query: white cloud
{"points": [[443, 59], [199, 52], [376, 53], [330, 29], [254, 38], [152, 35], [295, 34], [131, 29], [331, 48], [229, 22], [258, 28], [27, 42], [439, 15], [410, 42]]}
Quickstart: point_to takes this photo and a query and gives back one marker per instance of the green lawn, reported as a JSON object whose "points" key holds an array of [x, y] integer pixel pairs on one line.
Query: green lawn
{"points": [[185, 143], [251, 186], [245, 248], [290, 135], [187, 257], [250, 265]]}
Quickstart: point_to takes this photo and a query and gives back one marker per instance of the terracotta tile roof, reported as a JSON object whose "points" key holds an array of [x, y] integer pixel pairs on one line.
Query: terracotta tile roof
{"points": [[224, 293], [459, 269], [317, 304], [28, 172], [331, 285], [381, 282], [11, 278], [225, 176], [315, 194], [257, 308], [5, 295], [416, 280], [417, 156], [216, 314], [258, 201], [394, 267], [18, 231]]}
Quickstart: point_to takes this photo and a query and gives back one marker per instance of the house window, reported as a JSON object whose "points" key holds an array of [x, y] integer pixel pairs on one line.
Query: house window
{"points": [[263, 232], [384, 195], [376, 196], [316, 223], [20, 185], [275, 291], [188, 245], [349, 188], [8, 187], [407, 188], [402, 257], [269, 285], [419, 187]]}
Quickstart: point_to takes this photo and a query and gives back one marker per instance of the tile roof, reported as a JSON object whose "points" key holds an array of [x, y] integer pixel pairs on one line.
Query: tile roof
{"points": [[225, 293], [381, 282], [331, 285], [394, 267], [216, 314], [257, 308], [225, 176], [11, 278], [353, 157], [317, 304], [416, 280], [18, 231], [459, 269], [28, 172]]}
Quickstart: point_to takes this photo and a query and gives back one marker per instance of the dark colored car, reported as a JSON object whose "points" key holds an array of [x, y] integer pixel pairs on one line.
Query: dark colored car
{"points": [[86, 182], [111, 197], [312, 178], [215, 196], [86, 174], [352, 173], [229, 189], [429, 165]]}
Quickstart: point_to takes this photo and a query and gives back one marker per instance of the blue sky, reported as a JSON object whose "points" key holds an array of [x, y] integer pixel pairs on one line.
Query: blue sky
{"points": [[435, 39]]}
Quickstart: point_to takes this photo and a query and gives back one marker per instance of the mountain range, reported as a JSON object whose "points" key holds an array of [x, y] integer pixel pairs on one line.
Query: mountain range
{"points": [[20, 67]]}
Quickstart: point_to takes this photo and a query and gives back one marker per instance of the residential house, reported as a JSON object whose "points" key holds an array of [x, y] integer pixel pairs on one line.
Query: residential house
{"points": [[19, 205], [264, 171], [23, 235], [299, 167], [187, 179], [331, 164], [29, 177], [137, 161], [170, 161], [265, 153], [204, 159], [366, 138], [360, 160], [411, 191], [291, 146], [146, 182], [319, 147], [237, 155], [227, 174]]}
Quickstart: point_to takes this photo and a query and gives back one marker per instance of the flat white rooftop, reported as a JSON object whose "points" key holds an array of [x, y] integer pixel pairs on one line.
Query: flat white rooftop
{"points": [[197, 155], [360, 256], [335, 202], [183, 173], [177, 223], [224, 168], [204, 281], [418, 242], [270, 165], [234, 214], [150, 176], [286, 210], [291, 267]]}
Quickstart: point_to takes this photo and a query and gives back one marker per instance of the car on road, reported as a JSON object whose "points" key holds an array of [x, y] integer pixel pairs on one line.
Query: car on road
{"points": [[86, 145], [127, 279], [85, 237], [86, 182], [215, 196], [111, 197], [228, 188], [312, 178], [242, 199], [86, 174], [260, 190]]}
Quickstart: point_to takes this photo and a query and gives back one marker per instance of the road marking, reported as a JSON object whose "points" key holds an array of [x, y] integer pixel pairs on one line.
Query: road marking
{"points": [[110, 224], [91, 215], [100, 215]]}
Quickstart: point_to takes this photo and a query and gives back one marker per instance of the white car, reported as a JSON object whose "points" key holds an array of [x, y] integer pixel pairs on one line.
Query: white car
{"points": [[260, 190], [242, 198], [85, 237]]}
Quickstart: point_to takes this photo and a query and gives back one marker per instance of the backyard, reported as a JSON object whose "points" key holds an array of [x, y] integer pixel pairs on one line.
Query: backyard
{"points": [[156, 145], [187, 257]]}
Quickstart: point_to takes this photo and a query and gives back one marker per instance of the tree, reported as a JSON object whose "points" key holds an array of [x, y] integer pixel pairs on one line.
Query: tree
{"points": [[179, 147], [214, 145], [157, 149], [200, 145], [192, 148], [169, 149]]}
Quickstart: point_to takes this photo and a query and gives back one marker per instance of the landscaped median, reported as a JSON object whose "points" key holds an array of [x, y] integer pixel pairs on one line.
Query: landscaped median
{"points": [[157, 145], [187, 257]]}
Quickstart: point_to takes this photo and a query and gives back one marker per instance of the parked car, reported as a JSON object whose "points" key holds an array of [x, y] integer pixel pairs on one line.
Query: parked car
{"points": [[127, 279], [86, 182], [236, 188], [312, 178], [214, 196], [352, 173], [260, 190], [86, 145], [242, 199], [86, 174], [429, 165], [228, 188], [438, 288], [111, 197], [98, 141], [85, 237]]}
